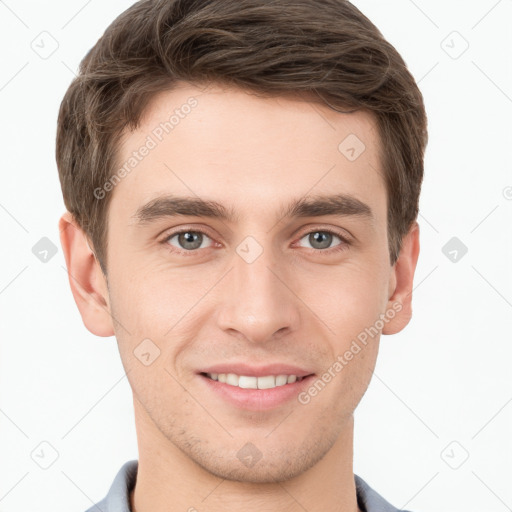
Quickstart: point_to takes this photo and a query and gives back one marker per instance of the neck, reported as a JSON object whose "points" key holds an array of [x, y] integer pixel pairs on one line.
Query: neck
{"points": [[168, 480]]}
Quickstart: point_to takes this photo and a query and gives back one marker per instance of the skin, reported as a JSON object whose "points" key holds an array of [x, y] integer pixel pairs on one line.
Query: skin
{"points": [[294, 304]]}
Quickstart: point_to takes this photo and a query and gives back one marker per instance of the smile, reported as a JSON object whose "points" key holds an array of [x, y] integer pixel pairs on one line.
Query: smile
{"points": [[251, 382], [255, 393]]}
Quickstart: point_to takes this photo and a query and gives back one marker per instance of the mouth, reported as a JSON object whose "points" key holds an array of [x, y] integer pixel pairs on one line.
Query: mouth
{"points": [[254, 382], [255, 393]]}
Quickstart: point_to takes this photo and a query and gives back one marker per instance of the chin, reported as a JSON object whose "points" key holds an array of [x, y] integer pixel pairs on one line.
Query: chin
{"points": [[268, 465]]}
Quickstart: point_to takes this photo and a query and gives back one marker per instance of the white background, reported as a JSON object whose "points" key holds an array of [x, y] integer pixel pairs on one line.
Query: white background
{"points": [[442, 388]]}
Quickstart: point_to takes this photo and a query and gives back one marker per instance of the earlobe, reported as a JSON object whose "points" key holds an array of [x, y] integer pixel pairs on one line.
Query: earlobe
{"points": [[88, 284], [400, 300]]}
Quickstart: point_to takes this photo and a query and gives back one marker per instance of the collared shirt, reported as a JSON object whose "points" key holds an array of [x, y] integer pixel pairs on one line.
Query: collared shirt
{"points": [[118, 497]]}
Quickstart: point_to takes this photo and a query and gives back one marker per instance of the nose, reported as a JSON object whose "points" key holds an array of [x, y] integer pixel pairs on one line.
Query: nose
{"points": [[259, 303]]}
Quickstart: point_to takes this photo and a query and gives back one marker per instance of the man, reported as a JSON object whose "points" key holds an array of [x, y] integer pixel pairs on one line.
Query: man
{"points": [[242, 183]]}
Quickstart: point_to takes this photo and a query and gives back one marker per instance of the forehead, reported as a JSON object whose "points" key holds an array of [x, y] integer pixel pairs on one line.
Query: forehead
{"points": [[247, 150]]}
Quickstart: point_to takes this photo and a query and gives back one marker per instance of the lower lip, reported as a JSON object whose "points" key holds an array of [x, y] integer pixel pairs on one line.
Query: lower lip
{"points": [[257, 399]]}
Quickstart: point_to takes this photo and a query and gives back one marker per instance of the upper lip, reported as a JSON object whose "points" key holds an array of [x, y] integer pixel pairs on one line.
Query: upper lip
{"points": [[257, 371]]}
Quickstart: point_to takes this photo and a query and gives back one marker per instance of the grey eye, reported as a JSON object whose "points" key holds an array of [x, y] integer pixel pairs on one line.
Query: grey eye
{"points": [[188, 240], [320, 239]]}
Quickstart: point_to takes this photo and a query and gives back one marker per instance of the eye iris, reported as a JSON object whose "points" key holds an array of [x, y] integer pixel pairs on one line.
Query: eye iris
{"points": [[323, 237], [189, 237]]}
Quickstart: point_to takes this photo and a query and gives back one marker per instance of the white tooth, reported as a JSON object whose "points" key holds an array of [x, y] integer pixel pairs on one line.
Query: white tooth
{"points": [[281, 380], [232, 379], [267, 382], [248, 382]]}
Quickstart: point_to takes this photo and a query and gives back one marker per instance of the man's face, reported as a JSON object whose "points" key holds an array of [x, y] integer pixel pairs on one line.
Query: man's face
{"points": [[260, 288]]}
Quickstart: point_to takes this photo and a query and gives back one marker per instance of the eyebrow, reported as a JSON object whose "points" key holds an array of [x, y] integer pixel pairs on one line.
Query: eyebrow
{"points": [[341, 205]]}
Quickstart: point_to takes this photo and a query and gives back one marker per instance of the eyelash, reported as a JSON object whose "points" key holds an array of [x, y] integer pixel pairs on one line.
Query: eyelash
{"points": [[338, 248]]}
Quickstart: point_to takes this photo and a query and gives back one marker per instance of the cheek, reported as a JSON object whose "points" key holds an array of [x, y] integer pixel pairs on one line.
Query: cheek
{"points": [[149, 300], [349, 299], [156, 313]]}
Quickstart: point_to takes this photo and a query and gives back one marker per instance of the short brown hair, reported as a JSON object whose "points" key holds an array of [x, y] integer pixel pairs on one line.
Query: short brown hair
{"points": [[326, 49]]}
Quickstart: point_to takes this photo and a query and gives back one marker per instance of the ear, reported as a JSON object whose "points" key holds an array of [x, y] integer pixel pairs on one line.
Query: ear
{"points": [[88, 284], [401, 281]]}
